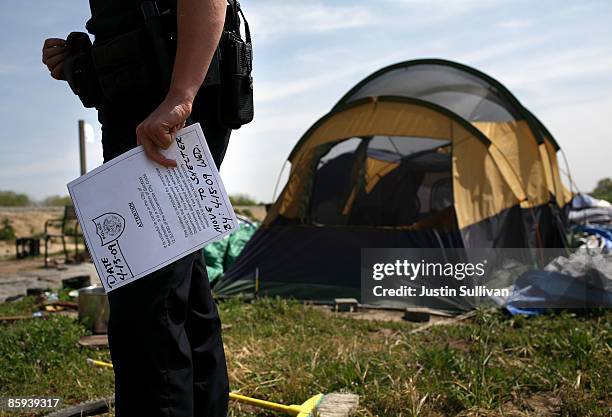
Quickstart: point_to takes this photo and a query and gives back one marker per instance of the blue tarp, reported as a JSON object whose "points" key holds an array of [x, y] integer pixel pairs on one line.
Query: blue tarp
{"points": [[584, 280], [605, 233]]}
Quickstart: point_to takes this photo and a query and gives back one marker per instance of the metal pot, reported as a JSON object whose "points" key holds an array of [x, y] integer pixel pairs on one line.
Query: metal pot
{"points": [[94, 309]]}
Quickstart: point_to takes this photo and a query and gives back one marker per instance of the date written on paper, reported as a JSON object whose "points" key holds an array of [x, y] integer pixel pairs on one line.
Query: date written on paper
{"points": [[20, 403], [208, 190]]}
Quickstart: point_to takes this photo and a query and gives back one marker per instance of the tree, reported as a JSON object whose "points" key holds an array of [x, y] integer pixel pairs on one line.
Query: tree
{"points": [[603, 190], [57, 200], [13, 199], [242, 200]]}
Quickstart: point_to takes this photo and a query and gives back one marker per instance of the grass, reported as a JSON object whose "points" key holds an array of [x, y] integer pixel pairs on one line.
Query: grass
{"points": [[491, 365]]}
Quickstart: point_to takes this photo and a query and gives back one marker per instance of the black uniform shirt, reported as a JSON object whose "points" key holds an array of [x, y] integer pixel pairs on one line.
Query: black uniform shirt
{"points": [[113, 17]]}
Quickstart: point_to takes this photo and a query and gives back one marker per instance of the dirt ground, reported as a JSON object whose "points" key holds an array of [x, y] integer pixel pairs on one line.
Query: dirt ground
{"points": [[17, 277], [30, 221]]}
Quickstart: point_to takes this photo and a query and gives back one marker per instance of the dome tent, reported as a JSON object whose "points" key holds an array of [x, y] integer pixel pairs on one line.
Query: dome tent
{"points": [[494, 110], [395, 166]]}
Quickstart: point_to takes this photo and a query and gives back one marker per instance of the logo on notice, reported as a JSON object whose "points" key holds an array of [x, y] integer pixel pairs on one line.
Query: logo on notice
{"points": [[109, 227]]}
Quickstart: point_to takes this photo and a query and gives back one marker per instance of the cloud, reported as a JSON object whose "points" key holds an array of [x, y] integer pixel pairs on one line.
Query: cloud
{"points": [[11, 69], [334, 65], [583, 133], [511, 49], [437, 10], [36, 169], [272, 19], [268, 91], [46, 176], [569, 66], [514, 24]]}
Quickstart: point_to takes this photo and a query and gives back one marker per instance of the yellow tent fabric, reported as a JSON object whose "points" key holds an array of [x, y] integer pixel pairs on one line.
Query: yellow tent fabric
{"points": [[484, 180], [479, 188], [375, 169], [517, 144]]}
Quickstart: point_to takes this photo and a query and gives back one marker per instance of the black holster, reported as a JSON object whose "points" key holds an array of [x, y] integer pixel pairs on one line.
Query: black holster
{"points": [[79, 69], [110, 71]]}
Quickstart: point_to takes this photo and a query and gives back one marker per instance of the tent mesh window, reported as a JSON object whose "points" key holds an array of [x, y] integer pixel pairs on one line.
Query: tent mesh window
{"points": [[471, 97], [382, 181]]}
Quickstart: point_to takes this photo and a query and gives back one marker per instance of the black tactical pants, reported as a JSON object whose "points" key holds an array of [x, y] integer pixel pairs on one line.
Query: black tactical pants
{"points": [[164, 330]]}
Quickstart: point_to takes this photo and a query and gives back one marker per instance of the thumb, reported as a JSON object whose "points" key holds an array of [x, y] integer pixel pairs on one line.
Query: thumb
{"points": [[176, 128], [179, 115]]}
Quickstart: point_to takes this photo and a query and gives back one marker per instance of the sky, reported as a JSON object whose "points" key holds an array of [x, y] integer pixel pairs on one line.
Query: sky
{"points": [[555, 56]]}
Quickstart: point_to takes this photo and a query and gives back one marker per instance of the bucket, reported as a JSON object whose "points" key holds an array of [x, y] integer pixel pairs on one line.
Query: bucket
{"points": [[94, 309]]}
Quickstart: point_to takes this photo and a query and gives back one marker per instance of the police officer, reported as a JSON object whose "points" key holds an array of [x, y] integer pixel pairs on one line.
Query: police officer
{"points": [[164, 330]]}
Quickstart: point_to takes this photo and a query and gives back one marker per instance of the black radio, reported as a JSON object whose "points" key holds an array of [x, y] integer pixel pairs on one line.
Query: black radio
{"points": [[236, 65]]}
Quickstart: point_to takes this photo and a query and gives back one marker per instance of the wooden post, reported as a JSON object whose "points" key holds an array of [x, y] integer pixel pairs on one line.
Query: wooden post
{"points": [[82, 147], [256, 283], [83, 160]]}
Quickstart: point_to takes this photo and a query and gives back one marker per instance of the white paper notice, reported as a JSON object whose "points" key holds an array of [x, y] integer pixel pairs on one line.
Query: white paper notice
{"points": [[138, 216]]}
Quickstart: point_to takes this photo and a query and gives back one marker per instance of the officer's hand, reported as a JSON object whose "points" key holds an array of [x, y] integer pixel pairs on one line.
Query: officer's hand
{"points": [[159, 129], [53, 55]]}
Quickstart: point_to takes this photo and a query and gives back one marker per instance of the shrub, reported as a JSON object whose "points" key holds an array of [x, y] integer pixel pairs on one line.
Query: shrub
{"points": [[57, 200], [7, 231], [13, 199]]}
